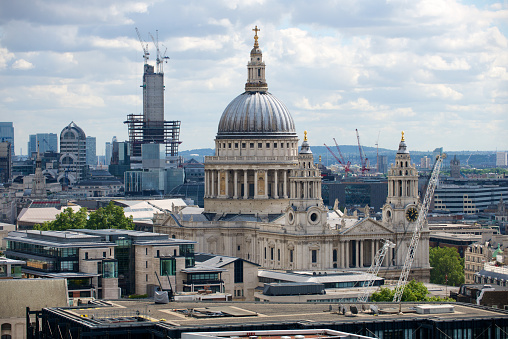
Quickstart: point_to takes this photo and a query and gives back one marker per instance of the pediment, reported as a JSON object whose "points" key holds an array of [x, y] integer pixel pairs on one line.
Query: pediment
{"points": [[367, 226]]}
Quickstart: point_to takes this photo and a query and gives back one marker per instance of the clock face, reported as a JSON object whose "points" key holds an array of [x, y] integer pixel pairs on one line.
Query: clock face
{"points": [[411, 214]]}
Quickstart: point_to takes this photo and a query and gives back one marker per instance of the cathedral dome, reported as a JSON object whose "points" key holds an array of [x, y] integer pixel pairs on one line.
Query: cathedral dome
{"points": [[256, 114]]}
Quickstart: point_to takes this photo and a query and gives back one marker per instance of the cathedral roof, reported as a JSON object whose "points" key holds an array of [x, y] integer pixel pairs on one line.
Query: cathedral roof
{"points": [[256, 112]]}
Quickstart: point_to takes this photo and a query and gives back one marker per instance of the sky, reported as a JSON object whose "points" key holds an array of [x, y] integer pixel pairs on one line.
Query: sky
{"points": [[435, 69]]}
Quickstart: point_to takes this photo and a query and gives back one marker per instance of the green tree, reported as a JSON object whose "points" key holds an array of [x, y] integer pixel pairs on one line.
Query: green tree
{"points": [[414, 291], [111, 216], [447, 266], [65, 220]]}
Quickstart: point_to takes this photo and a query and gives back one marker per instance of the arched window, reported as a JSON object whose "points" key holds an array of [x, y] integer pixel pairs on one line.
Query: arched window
{"points": [[334, 255]]}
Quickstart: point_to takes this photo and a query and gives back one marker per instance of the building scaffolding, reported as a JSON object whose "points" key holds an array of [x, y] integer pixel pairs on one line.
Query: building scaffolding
{"points": [[144, 132]]}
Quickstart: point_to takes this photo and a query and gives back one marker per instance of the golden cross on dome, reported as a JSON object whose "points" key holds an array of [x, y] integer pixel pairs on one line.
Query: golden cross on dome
{"points": [[305, 136], [256, 30], [402, 136]]}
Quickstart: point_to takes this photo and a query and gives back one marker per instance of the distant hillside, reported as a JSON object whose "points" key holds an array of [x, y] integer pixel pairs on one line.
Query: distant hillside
{"points": [[351, 153]]}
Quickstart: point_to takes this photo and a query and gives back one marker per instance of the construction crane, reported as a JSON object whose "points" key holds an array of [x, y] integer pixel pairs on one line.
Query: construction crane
{"points": [[377, 152], [422, 216], [160, 58], [364, 167], [144, 47], [374, 270], [341, 162], [347, 166]]}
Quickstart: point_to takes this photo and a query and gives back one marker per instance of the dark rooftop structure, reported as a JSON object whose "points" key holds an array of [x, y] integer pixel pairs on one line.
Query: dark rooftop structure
{"points": [[145, 319]]}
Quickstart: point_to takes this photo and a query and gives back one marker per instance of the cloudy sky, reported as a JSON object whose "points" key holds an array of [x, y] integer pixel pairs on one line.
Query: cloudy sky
{"points": [[437, 69]]}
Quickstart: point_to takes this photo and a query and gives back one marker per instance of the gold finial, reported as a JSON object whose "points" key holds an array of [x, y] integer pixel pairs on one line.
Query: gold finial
{"points": [[402, 136], [256, 30], [305, 136]]}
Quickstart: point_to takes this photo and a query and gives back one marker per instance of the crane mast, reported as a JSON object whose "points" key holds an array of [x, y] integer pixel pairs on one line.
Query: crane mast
{"points": [[422, 216], [363, 160], [144, 47], [374, 270]]}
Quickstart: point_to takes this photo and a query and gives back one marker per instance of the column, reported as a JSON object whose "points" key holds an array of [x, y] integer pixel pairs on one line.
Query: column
{"points": [[347, 243], [346, 254], [212, 186], [235, 183], [226, 186], [245, 185], [372, 251], [275, 185], [207, 192], [266, 183], [218, 183], [341, 254], [361, 252], [255, 183], [285, 184]]}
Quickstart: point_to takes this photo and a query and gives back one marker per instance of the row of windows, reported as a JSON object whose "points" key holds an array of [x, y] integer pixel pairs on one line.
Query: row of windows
{"points": [[42, 250], [252, 144]]}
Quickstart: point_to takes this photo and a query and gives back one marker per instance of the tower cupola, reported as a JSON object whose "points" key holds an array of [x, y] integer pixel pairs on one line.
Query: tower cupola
{"points": [[256, 81]]}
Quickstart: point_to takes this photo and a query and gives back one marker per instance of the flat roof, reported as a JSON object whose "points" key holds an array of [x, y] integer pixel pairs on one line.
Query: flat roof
{"points": [[179, 314]]}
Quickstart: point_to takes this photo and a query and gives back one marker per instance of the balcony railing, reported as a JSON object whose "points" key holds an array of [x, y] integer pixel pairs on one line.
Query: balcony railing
{"points": [[251, 159], [203, 282]]}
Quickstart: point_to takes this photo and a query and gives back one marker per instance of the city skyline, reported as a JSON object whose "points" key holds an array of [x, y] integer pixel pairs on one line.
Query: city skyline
{"points": [[437, 70]]}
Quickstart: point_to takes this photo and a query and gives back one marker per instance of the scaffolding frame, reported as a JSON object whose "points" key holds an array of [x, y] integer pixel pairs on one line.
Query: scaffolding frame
{"points": [[159, 132]]}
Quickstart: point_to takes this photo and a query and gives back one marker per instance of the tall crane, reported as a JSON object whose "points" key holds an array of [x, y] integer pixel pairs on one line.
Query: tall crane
{"points": [[374, 270], [363, 161], [160, 58], [144, 47], [422, 216], [344, 165], [377, 152], [347, 164]]}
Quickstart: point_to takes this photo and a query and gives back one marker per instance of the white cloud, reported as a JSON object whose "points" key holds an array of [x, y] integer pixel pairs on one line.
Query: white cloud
{"points": [[22, 64]]}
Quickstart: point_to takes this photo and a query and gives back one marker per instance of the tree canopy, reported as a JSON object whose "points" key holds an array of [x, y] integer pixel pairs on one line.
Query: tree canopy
{"points": [[111, 216], [414, 291], [447, 266]]}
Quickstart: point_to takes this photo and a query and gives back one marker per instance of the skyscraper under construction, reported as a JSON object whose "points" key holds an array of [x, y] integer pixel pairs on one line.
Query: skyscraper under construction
{"points": [[150, 127]]}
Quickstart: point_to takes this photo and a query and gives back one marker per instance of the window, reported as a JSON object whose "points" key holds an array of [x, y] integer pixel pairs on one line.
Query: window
{"points": [[334, 255], [281, 145], [278, 254], [259, 72], [146, 251], [238, 247], [236, 145], [267, 145], [314, 256], [238, 268], [271, 253], [244, 144], [168, 266], [104, 254], [158, 253], [265, 253], [290, 255], [274, 145], [146, 277], [146, 264], [86, 255], [260, 145], [229, 145], [251, 145]]}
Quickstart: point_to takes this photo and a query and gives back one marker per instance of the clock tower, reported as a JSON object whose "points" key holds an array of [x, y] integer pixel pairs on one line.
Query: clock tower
{"points": [[402, 204]]}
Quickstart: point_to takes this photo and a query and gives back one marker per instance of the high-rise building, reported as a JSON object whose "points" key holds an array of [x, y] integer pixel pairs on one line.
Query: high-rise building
{"points": [[46, 141], [7, 134], [73, 166], [425, 163], [109, 150], [91, 151], [150, 127], [501, 159], [5, 161], [383, 164], [455, 167]]}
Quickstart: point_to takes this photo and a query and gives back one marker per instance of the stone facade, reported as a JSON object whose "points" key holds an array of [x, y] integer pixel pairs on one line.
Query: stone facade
{"points": [[263, 198]]}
